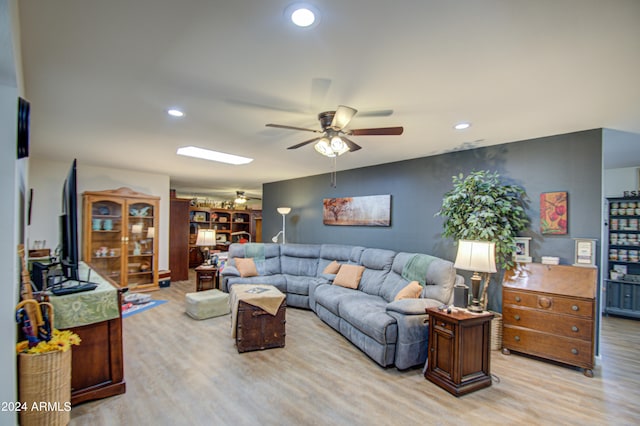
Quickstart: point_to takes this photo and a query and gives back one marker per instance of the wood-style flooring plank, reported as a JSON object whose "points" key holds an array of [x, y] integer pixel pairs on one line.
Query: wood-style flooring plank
{"points": [[180, 371]]}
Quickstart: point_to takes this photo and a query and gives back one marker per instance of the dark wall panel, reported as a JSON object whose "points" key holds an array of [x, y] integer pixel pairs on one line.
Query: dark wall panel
{"points": [[569, 162]]}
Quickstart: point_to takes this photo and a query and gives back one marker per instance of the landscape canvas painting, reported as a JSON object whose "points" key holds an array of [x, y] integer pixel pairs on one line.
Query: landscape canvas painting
{"points": [[553, 213], [371, 210]]}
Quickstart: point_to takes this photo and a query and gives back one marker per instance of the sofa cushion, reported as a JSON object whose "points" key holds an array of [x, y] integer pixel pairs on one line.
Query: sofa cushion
{"points": [[441, 277], [269, 265], [299, 259], [246, 267], [411, 291], [377, 263], [349, 276], [369, 314], [300, 285], [340, 253], [330, 296], [332, 268]]}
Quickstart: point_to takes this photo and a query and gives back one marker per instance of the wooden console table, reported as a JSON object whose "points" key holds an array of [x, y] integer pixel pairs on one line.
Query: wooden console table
{"points": [[458, 357], [97, 365]]}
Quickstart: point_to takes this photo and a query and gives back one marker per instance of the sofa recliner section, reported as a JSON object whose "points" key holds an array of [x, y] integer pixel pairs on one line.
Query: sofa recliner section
{"points": [[390, 332]]}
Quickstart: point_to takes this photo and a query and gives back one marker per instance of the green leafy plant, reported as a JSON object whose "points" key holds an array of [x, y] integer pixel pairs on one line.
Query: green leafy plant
{"points": [[480, 207]]}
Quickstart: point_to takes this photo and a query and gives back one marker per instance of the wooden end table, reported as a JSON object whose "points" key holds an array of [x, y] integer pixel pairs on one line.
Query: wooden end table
{"points": [[458, 357], [207, 275]]}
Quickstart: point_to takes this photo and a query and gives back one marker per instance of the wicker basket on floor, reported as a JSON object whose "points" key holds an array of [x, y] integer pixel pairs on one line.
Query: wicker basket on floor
{"points": [[45, 388], [496, 332]]}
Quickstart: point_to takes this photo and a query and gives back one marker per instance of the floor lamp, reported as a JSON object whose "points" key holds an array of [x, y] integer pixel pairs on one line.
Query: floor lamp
{"points": [[283, 211]]}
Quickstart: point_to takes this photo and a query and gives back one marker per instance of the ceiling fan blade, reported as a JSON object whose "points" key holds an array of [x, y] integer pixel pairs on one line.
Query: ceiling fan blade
{"points": [[282, 126], [389, 131], [303, 143], [351, 144], [342, 117]]}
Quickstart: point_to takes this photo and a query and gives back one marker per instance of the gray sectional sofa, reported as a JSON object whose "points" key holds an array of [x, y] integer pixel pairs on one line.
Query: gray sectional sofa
{"points": [[391, 332]]}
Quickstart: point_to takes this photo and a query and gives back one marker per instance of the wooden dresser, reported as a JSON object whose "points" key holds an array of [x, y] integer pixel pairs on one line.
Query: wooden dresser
{"points": [[549, 311]]}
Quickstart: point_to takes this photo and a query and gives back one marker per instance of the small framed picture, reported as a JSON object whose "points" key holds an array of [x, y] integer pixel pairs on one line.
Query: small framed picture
{"points": [[585, 252], [521, 254]]}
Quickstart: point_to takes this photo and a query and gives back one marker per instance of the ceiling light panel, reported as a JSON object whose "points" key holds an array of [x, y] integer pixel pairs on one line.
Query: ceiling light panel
{"points": [[302, 14], [175, 112], [207, 154]]}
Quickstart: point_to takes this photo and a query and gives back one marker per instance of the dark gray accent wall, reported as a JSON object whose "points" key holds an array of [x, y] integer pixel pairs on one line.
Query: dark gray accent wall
{"points": [[570, 162]]}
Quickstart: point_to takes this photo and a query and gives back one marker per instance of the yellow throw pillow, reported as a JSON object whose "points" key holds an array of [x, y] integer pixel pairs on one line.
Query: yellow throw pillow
{"points": [[349, 276], [246, 267], [332, 268], [411, 291]]}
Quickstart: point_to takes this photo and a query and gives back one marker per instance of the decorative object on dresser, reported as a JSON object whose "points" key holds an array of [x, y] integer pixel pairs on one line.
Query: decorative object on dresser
{"points": [[549, 312], [585, 252], [522, 250], [126, 238], [623, 246], [458, 353], [477, 256]]}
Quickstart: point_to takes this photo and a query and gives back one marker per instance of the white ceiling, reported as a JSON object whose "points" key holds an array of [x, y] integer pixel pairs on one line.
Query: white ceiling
{"points": [[101, 74]]}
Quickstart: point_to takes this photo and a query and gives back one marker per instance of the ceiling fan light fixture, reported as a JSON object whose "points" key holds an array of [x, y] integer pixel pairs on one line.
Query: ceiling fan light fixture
{"points": [[323, 146]]}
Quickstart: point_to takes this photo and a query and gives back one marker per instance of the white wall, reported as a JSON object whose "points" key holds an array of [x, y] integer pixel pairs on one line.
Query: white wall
{"points": [[10, 175], [46, 177], [616, 181]]}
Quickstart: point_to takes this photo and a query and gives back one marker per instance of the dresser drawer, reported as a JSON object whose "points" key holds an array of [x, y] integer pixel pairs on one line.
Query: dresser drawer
{"points": [[563, 349], [562, 325], [549, 302]]}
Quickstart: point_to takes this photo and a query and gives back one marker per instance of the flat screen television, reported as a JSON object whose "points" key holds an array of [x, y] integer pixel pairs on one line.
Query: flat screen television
{"points": [[69, 257]]}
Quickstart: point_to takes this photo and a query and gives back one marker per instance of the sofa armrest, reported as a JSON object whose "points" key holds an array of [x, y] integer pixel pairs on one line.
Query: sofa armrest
{"points": [[230, 271], [328, 277], [412, 306]]}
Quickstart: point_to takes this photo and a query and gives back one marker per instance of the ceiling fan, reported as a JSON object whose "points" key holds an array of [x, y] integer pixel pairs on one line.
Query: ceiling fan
{"points": [[241, 198], [333, 140]]}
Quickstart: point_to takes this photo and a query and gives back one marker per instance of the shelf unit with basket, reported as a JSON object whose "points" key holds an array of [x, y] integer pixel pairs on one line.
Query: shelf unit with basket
{"points": [[623, 248]]}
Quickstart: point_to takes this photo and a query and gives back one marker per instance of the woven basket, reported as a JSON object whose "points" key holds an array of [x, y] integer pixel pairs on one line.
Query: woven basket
{"points": [[45, 388], [496, 332]]}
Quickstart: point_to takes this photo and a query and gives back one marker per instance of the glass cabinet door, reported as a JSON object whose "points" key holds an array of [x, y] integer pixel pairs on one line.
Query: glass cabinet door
{"points": [[140, 244], [105, 240]]}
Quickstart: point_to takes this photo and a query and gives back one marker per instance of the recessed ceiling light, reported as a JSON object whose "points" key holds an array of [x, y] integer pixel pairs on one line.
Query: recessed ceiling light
{"points": [[175, 112], [207, 154], [301, 14], [462, 126]]}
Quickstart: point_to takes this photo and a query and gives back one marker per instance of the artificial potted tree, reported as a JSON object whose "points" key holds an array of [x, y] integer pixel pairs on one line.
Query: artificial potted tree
{"points": [[481, 207]]}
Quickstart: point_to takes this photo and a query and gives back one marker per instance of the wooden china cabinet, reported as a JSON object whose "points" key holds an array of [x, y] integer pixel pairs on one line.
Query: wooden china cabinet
{"points": [[120, 237]]}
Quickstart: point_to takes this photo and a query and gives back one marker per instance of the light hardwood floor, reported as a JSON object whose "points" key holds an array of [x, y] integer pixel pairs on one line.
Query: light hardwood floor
{"points": [[185, 372]]}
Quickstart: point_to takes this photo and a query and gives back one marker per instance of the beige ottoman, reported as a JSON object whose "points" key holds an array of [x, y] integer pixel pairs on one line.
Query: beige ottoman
{"points": [[207, 304]]}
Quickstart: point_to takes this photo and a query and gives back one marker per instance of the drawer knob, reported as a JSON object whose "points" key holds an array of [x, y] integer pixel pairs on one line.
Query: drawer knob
{"points": [[574, 351], [516, 338], [544, 302], [516, 317], [574, 328], [575, 308], [518, 299]]}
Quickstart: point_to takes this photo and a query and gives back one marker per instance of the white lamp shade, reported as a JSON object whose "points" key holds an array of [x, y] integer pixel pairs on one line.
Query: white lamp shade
{"points": [[151, 232], [284, 210], [206, 237], [476, 256]]}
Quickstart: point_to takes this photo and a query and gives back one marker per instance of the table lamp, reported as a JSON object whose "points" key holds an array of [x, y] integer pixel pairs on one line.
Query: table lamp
{"points": [[206, 238], [476, 256]]}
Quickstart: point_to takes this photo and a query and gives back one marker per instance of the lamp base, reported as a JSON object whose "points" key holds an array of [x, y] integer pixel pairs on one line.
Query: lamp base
{"points": [[475, 307]]}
